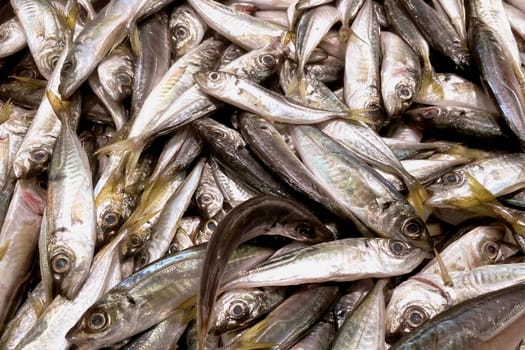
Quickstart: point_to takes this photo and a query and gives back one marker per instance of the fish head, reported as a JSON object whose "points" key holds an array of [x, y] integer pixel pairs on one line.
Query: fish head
{"points": [[402, 222], [488, 245], [235, 309], [75, 67], [50, 56], [109, 212], [69, 260], [214, 132], [31, 161], [116, 78], [101, 324], [447, 190], [136, 238], [214, 80], [412, 303], [398, 254], [400, 95], [186, 30], [209, 200]]}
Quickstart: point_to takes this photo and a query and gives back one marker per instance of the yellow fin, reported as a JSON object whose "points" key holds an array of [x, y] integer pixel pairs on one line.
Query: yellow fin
{"points": [[443, 269], [253, 346], [30, 82], [62, 108], [430, 82], [6, 111], [297, 86], [417, 195], [3, 249], [36, 304]]}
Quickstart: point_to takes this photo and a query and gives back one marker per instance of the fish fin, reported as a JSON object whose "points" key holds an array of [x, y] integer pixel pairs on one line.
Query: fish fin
{"points": [[417, 195], [480, 199], [253, 346], [130, 149], [429, 81], [71, 15], [6, 111], [3, 249], [30, 82], [445, 276], [360, 115], [134, 39], [344, 32], [287, 37], [465, 152], [297, 86], [36, 304], [62, 108]]}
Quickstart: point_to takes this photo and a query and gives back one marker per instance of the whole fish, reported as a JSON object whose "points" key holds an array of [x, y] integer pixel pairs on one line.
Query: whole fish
{"points": [[334, 261]]}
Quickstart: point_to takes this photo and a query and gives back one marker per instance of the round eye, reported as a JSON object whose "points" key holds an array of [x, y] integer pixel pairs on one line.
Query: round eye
{"points": [[61, 263], [67, 66], [404, 92], [451, 178], [39, 156], [415, 316], [413, 228], [135, 241], [98, 320], [305, 230], [43, 185], [173, 249], [142, 259], [268, 60], [491, 249], [238, 309], [214, 76], [206, 198], [110, 219], [124, 79], [399, 248], [211, 225], [53, 60], [180, 32]]}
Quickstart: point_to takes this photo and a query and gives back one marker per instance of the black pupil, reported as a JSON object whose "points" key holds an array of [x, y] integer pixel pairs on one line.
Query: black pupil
{"points": [[415, 318], [97, 320], [135, 240], [404, 92], [43, 185], [237, 310], [397, 248], [111, 219], [491, 249], [305, 230], [413, 227], [39, 155], [60, 263], [181, 32], [211, 225], [451, 178], [268, 59], [214, 76]]}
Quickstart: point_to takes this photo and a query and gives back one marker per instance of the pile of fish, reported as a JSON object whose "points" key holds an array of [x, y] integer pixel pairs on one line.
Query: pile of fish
{"points": [[262, 174]]}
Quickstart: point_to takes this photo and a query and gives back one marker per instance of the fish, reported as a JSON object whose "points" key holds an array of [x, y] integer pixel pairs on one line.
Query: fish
{"points": [[12, 37], [260, 215]]}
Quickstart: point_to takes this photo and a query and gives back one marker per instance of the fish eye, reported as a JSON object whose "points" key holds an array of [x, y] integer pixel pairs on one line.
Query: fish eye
{"points": [[415, 316], [172, 249], [490, 248], [68, 66], [110, 219], [399, 248], [206, 198], [143, 259], [305, 230], [42, 185], [61, 263], [413, 228], [39, 156], [214, 76], [404, 92], [211, 225], [98, 320], [451, 178], [238, 309], [135, 241], [53, 61], [124, 79], [180, 32], [268, 60]]}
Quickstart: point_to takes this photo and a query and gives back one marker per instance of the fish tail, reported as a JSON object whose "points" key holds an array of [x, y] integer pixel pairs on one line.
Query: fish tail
{"points": [[6, 111], [429, 81], [445, 276], [297, 86], [3, 249], [466, 152], [253, 345], [344, 32], [417, 195], [62, 108]]}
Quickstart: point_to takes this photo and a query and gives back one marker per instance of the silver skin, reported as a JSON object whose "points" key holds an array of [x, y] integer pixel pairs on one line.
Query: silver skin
{"points": [[240, 28], [187, 30], [499, 175], [365, 327], [252, 97], [117, 110], [237, 309], [517, 21], [332, 261], [18, 240], [12, 37], [320, 337], [44, 32], [98, 37], [208, 196], [116, 73], [350, 299], [347, 10], [70, 213], [426, 295], [360, 190], [234, 192], [50, 330], [400, 74], [456, 12], [290, 320], [150, 296], [491, 321], [362, 65]]}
